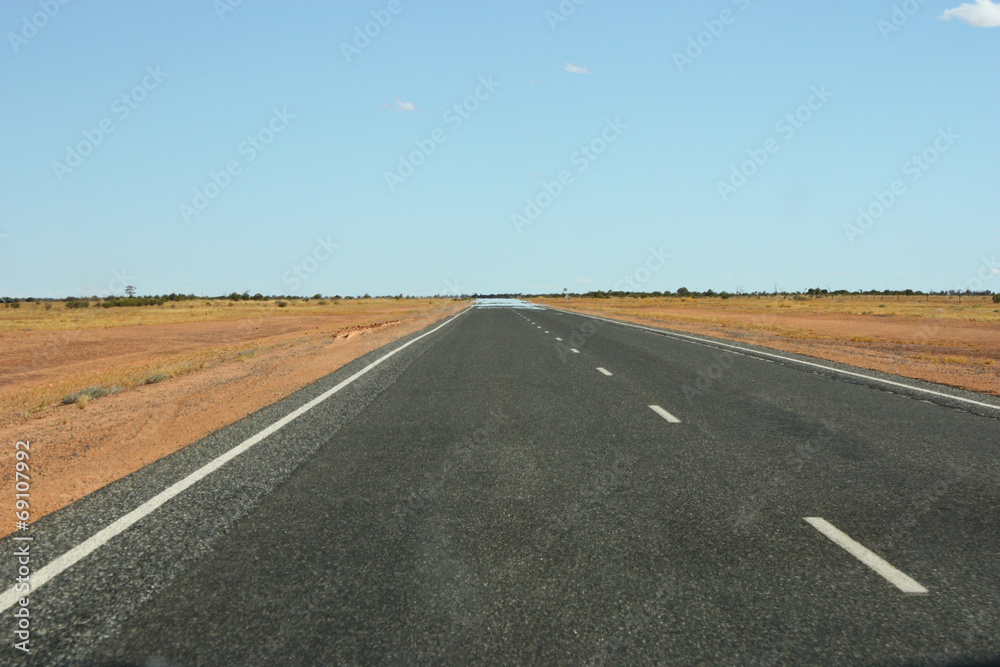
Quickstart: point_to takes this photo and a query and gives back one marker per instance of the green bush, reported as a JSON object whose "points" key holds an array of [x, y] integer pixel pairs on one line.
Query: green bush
{"points": [[282, 304], [996, 298], [78, 303]]}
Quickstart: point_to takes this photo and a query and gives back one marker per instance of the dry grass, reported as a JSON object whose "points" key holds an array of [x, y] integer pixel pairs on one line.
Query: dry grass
{"points": [[974, 309], [36, 316], [938, 338], [81, 387], [40, 399], [954, 359]]}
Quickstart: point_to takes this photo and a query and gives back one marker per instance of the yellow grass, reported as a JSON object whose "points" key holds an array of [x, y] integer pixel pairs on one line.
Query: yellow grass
{"points": [[35, 316], [974, 309]]}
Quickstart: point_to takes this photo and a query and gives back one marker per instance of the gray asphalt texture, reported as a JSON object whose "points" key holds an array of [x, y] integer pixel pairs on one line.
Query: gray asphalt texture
{"points": [[487, 496]]}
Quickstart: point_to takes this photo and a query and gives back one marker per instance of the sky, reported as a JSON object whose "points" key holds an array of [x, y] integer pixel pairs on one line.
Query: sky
{"points": [[422, 148]]}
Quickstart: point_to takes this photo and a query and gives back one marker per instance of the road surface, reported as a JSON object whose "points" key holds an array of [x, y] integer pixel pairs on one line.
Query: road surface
{"points": [[529, 486]]}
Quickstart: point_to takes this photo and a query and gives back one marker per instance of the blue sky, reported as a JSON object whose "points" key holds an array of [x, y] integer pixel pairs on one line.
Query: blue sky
{"points": [[267, 147]]}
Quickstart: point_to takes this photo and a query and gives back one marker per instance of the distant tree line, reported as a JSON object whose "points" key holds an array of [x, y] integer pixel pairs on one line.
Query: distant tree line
{"points": [[813, 292], [161, 299], [682, 292]]}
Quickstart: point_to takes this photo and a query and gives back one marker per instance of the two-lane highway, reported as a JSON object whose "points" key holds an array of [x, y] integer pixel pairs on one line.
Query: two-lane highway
{"points": [[532, 486]]}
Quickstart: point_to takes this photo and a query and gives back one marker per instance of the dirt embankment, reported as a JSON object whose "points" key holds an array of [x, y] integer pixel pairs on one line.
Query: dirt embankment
{"points": [[204, 375]]}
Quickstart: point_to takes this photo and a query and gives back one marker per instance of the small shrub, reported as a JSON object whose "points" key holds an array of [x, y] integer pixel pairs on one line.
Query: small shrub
{"points": [[78, 303], [89, 393], [996, 298], [282, 304], [153, 378], [15, 304]]}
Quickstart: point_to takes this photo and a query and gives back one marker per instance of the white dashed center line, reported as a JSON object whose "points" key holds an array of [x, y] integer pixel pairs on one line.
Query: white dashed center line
{"points": [[894, 576], [559, 339], [666, 415], [574, 350], [605, 371]]}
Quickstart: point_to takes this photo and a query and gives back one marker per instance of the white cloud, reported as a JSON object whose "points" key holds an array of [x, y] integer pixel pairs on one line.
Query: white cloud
{"points": [[573, 69], [983, 14]]}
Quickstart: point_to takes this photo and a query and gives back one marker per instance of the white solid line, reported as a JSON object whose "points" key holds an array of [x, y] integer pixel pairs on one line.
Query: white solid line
{"points": [[666, 415], [778, 356], [57, 566], [574, 350], [605, 371], [895, 577]]}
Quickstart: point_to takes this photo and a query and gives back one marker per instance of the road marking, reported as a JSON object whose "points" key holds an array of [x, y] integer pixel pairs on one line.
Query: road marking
{"points": [[666, 415], [758, 354], [546, 332], [57, 566], [574, 350], [605, 371], [894, 576], [559, 339]]}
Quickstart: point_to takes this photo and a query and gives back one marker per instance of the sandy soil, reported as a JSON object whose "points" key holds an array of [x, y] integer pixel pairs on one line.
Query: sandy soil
{"points": [[943, 349], [76, 449]]}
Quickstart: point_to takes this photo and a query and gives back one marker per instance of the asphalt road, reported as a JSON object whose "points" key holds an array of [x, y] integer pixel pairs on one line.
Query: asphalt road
{"points": [[500, 491]]}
